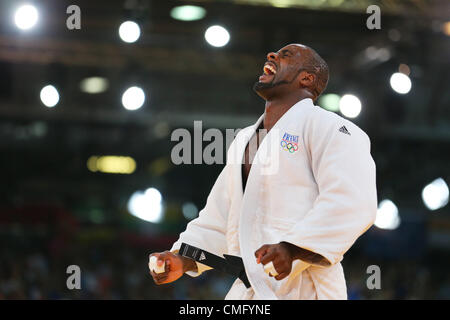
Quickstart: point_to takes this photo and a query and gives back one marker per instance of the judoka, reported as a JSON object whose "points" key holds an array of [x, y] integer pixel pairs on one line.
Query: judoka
{"points": [[297, 191]]}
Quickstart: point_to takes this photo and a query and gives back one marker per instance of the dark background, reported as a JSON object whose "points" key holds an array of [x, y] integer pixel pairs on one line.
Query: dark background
{"points": [[54, 212]]}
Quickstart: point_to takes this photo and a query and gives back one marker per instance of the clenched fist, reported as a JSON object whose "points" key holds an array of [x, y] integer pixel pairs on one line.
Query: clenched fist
{"points": [[175, 267], [281, 254]]}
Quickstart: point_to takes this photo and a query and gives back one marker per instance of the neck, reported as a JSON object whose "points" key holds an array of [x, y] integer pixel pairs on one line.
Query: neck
{"points": [[276, 108]]}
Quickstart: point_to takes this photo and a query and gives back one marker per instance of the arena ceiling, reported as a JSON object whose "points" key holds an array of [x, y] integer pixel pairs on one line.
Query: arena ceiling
{"points": [[45, 150]]}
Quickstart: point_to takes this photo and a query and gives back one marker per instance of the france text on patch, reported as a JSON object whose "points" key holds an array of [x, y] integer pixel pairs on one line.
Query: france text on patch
{"points": [[289, 143]]}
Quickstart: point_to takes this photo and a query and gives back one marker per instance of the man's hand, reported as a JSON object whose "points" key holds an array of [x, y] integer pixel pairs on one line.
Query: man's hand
{"points": [[280, 254], [175, 267]]}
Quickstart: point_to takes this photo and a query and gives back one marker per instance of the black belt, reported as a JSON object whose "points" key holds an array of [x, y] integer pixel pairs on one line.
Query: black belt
{"points": [[231, 264]]}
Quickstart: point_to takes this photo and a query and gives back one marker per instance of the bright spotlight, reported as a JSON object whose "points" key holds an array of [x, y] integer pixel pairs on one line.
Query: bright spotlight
{"points": [[188, 13], [435, 195], [387, 215], [146, 205], [49, 96], [94, 85], [26, 17], [190, 210], [330, 101], [400, 82], [129, 31], [217, 36], [350, 106], [133, 98]]}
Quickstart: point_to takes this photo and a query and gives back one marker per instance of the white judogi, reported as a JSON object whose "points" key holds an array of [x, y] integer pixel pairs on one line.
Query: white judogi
{"points": [[320, 196]]}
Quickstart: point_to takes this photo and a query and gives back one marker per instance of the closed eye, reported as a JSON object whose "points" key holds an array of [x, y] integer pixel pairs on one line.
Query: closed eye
{"points": [[286, 53]]}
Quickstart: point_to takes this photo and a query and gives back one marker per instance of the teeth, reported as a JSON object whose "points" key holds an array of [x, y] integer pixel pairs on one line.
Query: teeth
{"points": [[269, 67]]}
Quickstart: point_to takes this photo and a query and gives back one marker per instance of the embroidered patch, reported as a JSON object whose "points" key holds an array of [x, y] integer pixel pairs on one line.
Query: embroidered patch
{"points": [[289, 143]]}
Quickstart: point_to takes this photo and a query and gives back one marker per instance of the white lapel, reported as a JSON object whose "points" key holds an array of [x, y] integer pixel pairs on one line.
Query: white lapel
{"points": [[234, 160], [265, 163]]}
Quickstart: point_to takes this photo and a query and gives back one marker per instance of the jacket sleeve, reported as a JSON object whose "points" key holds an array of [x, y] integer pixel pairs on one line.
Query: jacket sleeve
{"points": [[346, 205], [208, 230]]}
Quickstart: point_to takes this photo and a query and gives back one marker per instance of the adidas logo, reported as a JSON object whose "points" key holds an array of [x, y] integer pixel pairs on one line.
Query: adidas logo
{"points": [[202, 256], [343, 129]]}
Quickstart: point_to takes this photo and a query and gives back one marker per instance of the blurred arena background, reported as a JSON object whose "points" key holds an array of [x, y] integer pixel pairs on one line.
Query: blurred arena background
{"points": [[77, 154]]}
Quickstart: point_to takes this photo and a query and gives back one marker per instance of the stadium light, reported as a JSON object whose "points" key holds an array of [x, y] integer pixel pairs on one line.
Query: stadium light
{"points": [[350, 106], [400, 83], [387, 215], [435, 195], [111, 164], [404, 68], [281, 3], [129, 31], [49, 96], [188, 13], [190, 210], [146, 205], [133, 98], [217, 36], [26, 17], [330, 101], [94, 85]]}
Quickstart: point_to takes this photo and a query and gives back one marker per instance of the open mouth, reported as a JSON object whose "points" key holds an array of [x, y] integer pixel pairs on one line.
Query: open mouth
{"points": [[269, 70]]}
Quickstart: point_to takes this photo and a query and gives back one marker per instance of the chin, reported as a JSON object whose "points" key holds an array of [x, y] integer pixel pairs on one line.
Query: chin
{"points": [[263, 89], [258, 86]]}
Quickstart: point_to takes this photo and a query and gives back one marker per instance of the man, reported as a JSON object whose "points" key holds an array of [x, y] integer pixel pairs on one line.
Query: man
{"points": [[304, 212]]}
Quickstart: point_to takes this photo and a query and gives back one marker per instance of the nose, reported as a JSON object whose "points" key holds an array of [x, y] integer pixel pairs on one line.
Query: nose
{"points": [[272, 56]]}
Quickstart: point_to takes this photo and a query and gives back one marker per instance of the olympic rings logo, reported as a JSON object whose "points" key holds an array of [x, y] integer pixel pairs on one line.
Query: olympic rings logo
{"points": [[289, 146]]}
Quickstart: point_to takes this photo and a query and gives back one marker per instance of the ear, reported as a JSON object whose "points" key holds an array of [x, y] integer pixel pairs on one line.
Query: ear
{"points": [[306, 79]]}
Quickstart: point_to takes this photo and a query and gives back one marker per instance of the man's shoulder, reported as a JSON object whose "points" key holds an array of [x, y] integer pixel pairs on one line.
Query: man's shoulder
{"points": [[325, 120]]}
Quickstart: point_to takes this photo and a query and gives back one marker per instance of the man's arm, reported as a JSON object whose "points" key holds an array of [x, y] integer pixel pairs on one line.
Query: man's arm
{"points": [[283, 254], [189, 265], [345, 207], [298, 253], [347, 202], [208, 230]]}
